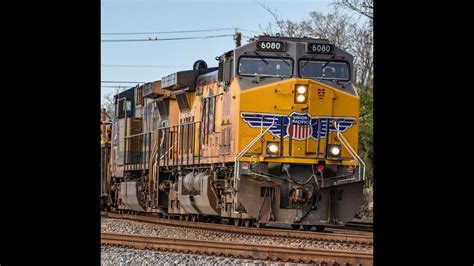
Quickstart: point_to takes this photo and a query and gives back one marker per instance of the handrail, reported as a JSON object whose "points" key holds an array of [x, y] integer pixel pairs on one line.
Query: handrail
{"points": [[139, 134], [346, 145], [163, 156], [237, 159], [177, 125]]}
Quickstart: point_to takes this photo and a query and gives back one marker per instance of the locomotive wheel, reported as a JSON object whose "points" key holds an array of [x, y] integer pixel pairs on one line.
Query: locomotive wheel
{"points": [[194, 217], [247, 223], [307, 227], [186, 217], [237, 221], [295, 226], [319, 228], [259, 225]]}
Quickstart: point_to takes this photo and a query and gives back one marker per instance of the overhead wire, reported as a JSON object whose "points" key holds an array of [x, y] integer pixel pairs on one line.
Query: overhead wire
{"points": [[167, 39], [142, 66], [177, 31], [163, 32]]}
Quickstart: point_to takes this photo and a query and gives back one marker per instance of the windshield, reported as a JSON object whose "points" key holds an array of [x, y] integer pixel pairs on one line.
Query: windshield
{"points": [[324, 69], [256, 66]]}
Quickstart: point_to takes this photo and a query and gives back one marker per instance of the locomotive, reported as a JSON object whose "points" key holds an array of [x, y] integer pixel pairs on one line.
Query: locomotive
{"points": [[267, 137]]}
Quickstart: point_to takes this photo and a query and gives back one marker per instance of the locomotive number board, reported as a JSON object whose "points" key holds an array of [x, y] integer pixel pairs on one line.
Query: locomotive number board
{"points": [[320, 48], [275, 46]]}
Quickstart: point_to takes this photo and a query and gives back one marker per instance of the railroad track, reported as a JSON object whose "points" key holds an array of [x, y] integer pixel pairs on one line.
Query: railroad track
{"points": [[253, 251], [360, 226], [351, 238]]}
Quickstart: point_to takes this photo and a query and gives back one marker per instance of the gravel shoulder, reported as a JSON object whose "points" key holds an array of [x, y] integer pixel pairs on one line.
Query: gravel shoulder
{"points": [[120, 256]]}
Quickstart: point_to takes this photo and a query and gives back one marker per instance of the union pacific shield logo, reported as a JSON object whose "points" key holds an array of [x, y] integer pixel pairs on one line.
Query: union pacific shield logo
{"points": [[302, 126], [299, 128]]}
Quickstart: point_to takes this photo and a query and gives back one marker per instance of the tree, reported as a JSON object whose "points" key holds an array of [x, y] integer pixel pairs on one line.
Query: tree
{"points": [[109, 101], [362, 7]]}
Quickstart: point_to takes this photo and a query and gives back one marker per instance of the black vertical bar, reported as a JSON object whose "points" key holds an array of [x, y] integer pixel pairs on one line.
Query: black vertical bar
{"points": [[165, 155], [193, 142], [319, 136], [165, 147], [182, 143], [178, 137], [165, 140], [172, 147], [125, 151], [175, 148], [290, 141], [199, 142], [149, 147], [168, 150], [206, 130], [159, 148], [327, 139], [281, 135], [187, 143], [143, 148]]}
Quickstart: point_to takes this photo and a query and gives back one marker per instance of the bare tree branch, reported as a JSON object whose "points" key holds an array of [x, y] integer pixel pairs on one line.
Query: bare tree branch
{"points": [[274, 15], [363, 7]]}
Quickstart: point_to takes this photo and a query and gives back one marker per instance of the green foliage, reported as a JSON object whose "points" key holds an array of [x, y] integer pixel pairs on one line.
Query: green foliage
{"points": [[366, 128]]}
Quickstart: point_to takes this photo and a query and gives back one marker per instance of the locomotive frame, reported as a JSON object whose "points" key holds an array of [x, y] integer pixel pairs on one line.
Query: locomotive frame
{"points": [[201, 143]]}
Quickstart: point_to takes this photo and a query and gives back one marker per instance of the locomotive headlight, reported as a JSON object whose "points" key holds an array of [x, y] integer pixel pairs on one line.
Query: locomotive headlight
{"points": [[335, 150], [301, 89], [300, 98], [273, 148], [301, 94]]}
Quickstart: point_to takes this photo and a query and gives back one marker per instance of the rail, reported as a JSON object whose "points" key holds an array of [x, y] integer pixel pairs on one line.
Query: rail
{"points": [[243, 250], [361, 238], [237, 159]]}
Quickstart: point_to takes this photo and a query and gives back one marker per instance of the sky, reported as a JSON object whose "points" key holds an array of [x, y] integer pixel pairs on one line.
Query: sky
{"points": [[134, 16]]}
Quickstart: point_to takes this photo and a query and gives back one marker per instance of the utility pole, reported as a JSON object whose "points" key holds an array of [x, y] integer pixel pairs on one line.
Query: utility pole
{"points": [[237, 38]]}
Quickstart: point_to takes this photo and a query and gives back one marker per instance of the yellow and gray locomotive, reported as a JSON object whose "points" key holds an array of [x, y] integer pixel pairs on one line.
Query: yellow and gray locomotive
{"points": [[267, 137]]}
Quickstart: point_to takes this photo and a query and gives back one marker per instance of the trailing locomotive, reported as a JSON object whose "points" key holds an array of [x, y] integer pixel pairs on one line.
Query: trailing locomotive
{"points": [[268, 136]]}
